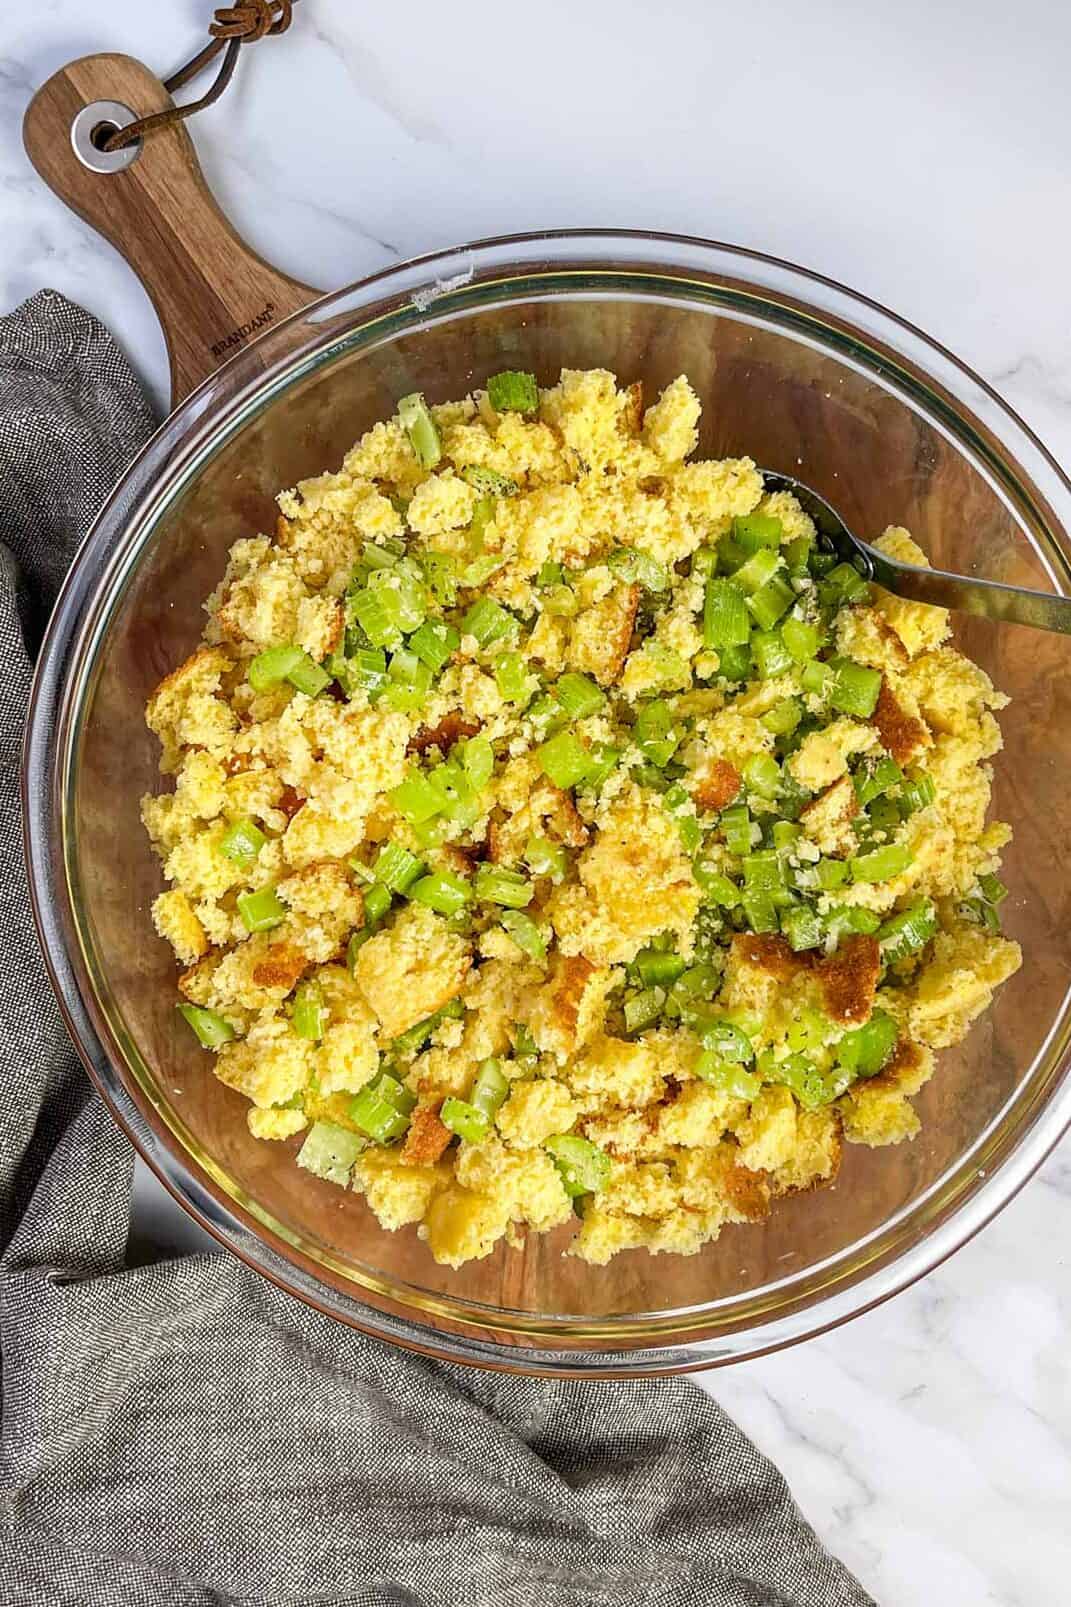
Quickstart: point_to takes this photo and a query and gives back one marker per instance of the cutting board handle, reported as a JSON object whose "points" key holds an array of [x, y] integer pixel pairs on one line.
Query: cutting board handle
{"points": [[212, 292]]}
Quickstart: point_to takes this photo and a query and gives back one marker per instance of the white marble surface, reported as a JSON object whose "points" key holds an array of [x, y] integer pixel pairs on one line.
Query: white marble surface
{"points": [[920, 152]]}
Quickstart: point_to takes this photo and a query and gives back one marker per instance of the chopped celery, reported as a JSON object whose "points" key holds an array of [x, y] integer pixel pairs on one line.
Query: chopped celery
{"points": [[716, 888], [329, 1152], [490, 1089], [844, 584], [273, 666], [308, 677], [783, 718], [464, 1120], [727, 1076], [408, 682], [488, 621], [478, 760], [578, 695], [725, 615], [855, 687], [811, 1086], [907, 932], [771, 602], [734, 663], [643, 1009], [442, 891], [817, 678], [377, 616], [656, 734], [545, 858], [658, 966], [771, 656], [881, 864], [396, 868], [309, 1015], [421, 429], [603, 762], [803, 928], [628, 564], [550, 574], [496, 885], [800, 638], [584, 1168], [875, 777], [763, 871], [488, 482], [735, 824], [918, 792], [754, 530], [753, 574], [415, 798], [376, 902], [211, 1028], [762, 775], [513, 392], [525, 933], [242, 842], [561, 602], [261, 910], [760, 911], [727, 1039], [512, 678], [564, 759], [865, 1050], [434, 643], [377, 1116]]}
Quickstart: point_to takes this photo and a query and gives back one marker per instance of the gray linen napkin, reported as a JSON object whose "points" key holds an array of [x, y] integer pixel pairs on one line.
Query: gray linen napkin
{"points": [[185, 1433]]}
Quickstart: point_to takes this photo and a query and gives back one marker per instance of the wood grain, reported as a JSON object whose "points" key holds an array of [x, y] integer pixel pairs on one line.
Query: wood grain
{"points": [[212, 292]]}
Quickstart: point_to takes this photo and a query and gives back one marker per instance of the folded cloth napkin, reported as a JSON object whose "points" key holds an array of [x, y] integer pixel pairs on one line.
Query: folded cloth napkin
{"points": [[184, 1432]]}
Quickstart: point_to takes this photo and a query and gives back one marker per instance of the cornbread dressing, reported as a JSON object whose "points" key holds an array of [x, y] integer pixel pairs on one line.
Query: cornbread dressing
{"points": [[559, 835]]}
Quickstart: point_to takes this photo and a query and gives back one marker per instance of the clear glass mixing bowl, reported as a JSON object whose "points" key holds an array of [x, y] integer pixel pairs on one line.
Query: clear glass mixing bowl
{"points": [[807, 378]]}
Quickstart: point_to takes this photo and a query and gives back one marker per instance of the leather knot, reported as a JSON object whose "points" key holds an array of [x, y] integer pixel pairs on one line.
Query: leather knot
{"points": [[252, 19]]}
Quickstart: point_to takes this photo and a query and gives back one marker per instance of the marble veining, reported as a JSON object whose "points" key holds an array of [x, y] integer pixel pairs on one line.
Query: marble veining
{"points": [[919, 153]]}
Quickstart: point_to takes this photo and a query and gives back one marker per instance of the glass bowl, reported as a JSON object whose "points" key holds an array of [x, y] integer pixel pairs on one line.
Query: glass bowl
{"points": [[806, 377]]}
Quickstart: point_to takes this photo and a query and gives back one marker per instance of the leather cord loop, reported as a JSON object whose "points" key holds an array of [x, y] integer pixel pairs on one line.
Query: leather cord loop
{"points": [[230, 29]]}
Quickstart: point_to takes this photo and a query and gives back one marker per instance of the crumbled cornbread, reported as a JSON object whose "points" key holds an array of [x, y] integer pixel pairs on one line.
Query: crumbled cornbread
{"points": [[506, 873]]}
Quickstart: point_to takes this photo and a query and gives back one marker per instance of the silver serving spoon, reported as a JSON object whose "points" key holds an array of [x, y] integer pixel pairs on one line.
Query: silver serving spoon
{"points": [[987, 599]]}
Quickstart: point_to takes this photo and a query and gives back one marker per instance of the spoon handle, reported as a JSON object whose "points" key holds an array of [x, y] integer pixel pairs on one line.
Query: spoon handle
{"points": [[988, 599]]}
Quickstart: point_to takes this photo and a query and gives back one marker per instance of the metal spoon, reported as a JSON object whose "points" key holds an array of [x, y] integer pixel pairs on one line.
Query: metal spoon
{"points": [[985, 598]]}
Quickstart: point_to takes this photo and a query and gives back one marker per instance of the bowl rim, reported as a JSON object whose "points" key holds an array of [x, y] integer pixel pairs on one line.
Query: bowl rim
{"points": [[422, 282]]}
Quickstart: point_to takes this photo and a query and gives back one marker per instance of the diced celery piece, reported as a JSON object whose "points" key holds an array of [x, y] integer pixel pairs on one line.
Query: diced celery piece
{"points": [[478, 759], [308, 677], [578, 695], [488, 482], [771, 656], [865, 1050], [800, 638], [329, 1152], [465, 1120], [657, 735], [716, 888], [488, 621], [725, 614], [211, 1028], [309, 1015], [545, 858], [751, 531], [242, 842], [525, 933], [881, 864], [803, 927], [513, 391], [261, 910], [907, 932], [491, 1087], [760, 912], [376, 902], [771, 602], [564, 759], [496, 885], [434, 643], [442, 891], [421, 429], [757, 570], [875, 777], [658, 967], [855, 688], [584, 1168], [638, 568], [727, 1076], [512, 678], [273, 666], [416, 799], [762, 775], [783, 718], [396, 868], [735, 824], [643, 1009]]}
